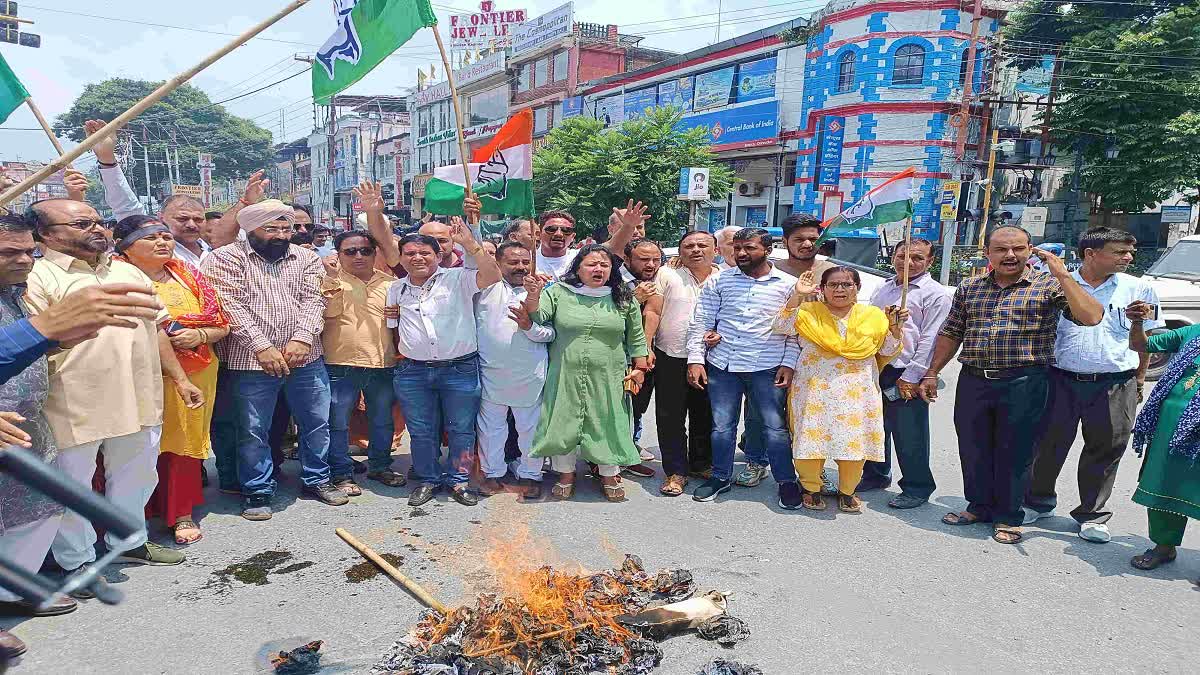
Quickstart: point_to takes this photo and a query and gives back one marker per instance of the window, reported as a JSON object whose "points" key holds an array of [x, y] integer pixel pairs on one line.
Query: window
{"points": [[845, 74], [909, 65], [541, 120], [523, 78], [541, 72], [487, 106], [561, 65], [962, 70]]}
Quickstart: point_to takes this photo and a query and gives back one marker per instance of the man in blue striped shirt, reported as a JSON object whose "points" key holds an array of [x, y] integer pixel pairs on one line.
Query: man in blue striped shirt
{"points": [[748, 360]]}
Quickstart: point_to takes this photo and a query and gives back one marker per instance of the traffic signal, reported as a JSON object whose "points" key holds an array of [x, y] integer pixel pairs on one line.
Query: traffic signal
{"points": [[9, 27]]}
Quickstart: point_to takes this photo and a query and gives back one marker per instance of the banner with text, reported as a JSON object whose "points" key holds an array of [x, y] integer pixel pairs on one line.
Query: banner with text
{"points": [[543, 30], [747, 126]]}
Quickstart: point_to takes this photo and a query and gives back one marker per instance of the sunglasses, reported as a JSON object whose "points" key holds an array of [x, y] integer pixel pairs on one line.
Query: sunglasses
{"points": [[363, 251], [555, 228], [82, 224]]}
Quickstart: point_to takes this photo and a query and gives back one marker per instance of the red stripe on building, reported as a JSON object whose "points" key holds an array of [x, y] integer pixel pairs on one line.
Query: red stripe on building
{"points": [[904, 6], [893, 143]]}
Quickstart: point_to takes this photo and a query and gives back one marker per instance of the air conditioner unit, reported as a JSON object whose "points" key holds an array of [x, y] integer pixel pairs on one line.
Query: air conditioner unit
{"points": [[750, 189]]}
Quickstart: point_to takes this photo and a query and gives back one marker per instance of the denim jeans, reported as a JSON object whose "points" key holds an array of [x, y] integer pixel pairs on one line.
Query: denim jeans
{"points": [[307, 392], [725, 392], [433, 395], [345, 383]]}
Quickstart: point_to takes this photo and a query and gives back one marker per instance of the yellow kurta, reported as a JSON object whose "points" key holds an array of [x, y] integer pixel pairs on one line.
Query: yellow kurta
{"points": [[834, 404], [185, 430]]}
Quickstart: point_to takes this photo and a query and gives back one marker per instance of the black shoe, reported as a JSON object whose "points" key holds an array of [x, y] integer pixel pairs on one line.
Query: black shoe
{"points": [[422, 494], [712, 487], [463, 496], [867, 484], [327, 493], [903, 501], [359, 467], [790, 496]]}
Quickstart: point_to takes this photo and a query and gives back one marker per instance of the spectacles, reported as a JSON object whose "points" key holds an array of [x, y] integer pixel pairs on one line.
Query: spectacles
{"points": [[555, 228], [363, 251], [82, 224], [302, 226], [274, 230], [834, 285]]}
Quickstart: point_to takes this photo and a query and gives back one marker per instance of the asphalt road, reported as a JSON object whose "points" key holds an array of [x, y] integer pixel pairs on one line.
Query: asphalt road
{"points": [[882, 591]]}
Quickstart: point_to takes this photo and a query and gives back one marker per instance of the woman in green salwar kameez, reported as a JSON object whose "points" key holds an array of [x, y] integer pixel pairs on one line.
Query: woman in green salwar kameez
{"points": [[585, 406], [1168, 428]]}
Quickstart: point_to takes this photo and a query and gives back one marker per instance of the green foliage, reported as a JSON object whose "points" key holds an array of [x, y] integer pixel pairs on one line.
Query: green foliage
{"points": [[586, 170], [1129, 70], [239, 146]]}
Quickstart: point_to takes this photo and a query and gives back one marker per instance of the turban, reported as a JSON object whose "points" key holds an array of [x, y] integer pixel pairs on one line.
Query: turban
{"points": [[268, 210]]}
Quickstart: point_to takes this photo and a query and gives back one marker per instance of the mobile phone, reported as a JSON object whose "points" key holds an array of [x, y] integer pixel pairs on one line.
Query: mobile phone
{"points": [[174, 327]]}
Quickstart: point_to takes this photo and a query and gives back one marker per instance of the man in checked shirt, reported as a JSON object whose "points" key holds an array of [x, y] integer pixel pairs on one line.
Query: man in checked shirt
{"points": [[1006, 322]]}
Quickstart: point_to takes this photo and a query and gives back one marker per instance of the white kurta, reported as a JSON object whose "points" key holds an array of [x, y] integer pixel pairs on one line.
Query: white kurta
{"points": [[513, 361]]}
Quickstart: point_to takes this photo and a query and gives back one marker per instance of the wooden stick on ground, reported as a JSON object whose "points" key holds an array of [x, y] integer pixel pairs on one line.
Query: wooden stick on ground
{"points": [[412, 586], [536, 638]]}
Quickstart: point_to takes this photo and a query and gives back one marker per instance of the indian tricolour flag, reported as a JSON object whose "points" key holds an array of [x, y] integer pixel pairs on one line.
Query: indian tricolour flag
{"points": [[501, 174], [890, 202]]}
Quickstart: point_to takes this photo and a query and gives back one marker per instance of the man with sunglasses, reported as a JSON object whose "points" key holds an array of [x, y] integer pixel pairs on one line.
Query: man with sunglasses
{"points": [[1096, 382], [106, 394], [555, 255], [359, 355]]}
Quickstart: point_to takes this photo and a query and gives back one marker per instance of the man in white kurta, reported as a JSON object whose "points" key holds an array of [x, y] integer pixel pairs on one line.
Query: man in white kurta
{"points": [[512, 353]]}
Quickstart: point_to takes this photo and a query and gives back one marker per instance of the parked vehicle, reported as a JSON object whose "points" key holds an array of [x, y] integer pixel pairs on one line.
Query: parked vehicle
{"points": [[1176, 279]]}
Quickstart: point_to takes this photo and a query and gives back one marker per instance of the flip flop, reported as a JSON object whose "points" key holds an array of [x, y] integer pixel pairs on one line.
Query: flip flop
{"points": [[964, 518], [1150, 560], [187, 525], [1007, 534]]}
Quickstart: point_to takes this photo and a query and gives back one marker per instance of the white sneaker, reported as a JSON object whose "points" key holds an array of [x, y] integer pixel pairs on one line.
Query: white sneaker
{"points": [[1032, 516], [1096, 532]]}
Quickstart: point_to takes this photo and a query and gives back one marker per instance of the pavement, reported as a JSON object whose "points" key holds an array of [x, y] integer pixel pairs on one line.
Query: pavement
{"points": [[885, 591]]}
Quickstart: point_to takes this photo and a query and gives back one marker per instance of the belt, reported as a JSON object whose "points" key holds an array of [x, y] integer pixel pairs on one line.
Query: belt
{"points": [[446, 362], [1097, 377], [1003, 373]]}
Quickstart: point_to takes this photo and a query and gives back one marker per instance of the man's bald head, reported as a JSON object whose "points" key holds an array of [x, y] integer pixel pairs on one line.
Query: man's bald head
{"points": [[440, 232], [184, 216]]}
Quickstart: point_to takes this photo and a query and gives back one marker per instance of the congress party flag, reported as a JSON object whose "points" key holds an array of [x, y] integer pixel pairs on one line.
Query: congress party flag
{"points": [[12, 92], [367, 32], [890, 202], [501, 174]]}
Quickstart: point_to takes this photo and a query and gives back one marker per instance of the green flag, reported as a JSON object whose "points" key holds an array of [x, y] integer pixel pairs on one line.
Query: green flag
{"points": [[12, 92], [367, 32]]}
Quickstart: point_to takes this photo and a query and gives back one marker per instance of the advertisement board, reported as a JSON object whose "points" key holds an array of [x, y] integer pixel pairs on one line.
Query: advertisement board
{"points": [[676, 93], [204, 162], [749, 126], [543, 30], [948, 198], [610, 110], [638, 102], [489, 27], [693, 184], [195, 191], [492, 64], [572, 107], [756, 80], [1175, 214], [829, 153], [712, 88]]}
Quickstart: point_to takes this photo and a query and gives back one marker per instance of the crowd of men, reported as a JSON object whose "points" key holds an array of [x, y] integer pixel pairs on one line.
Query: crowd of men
{"points": [[435, 321]]}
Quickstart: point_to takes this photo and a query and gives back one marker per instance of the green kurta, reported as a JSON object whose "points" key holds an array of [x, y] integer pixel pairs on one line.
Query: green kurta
{"points": [[584, 403], [1170, 482]]}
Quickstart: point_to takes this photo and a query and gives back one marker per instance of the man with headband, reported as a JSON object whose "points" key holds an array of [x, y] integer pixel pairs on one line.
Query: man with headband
{"points": [[269, 287]]}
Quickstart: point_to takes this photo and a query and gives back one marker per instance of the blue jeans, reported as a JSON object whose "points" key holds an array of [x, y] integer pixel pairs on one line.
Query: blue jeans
{"points": [[753, 443], [345, 383], [725, 392], [430, 395], [307, 392]]}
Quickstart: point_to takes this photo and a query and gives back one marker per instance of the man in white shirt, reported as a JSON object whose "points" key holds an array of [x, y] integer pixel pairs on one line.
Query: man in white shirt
{"points": [[435, 331], [555, 254], [513, 358]]}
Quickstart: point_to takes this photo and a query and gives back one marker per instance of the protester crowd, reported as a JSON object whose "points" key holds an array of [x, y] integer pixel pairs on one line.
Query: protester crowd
{"points": [[130, 355]]}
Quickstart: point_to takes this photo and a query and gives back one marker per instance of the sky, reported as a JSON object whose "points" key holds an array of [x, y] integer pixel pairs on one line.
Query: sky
{"points": [[87, 42]]}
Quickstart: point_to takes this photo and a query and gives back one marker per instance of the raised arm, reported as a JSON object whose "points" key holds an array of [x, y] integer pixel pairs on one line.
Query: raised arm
{"points": [[489, 270], [1085, 309], [117, 193], [226, 229], [370, 195]]}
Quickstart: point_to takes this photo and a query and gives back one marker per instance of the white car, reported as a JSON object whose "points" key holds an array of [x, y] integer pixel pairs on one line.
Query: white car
{"points": [[871, 277], [1176, 280]]}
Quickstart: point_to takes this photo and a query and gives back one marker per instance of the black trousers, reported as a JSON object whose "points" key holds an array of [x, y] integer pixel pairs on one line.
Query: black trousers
{"points": [[1106, 408], [676, 402], [998, 423], [905, 429]]}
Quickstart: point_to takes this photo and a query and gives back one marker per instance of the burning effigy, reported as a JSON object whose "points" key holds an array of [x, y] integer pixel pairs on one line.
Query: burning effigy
{"points": [[552, 622]]}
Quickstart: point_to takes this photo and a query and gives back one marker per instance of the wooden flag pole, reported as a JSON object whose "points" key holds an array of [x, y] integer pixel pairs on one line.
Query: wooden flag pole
{"points": [[458, 118], [904, 274], [141, 106], [45, 127]]}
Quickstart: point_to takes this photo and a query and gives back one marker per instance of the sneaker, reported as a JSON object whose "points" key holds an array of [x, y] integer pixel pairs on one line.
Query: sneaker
{"points": [[1033, 515], [256, 507], [150, 553], [1095, 532], [710, 489], [327, 493], [752, 475], [828, 487], [790, 497]]}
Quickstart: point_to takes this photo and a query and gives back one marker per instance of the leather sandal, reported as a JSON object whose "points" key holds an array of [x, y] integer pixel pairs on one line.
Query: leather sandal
{"points": [[613, 491], [673, 485], [563, 490], [849, 504], [1007, 534], [1152, 559], [186, 524], [813, 501]]}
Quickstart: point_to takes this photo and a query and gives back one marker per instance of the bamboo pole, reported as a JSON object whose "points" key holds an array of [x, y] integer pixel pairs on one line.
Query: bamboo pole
{"points": [[45, 126], [904, 275], [536, 638], [412, 586], [458, 119], [141, 106], [987, 192]]}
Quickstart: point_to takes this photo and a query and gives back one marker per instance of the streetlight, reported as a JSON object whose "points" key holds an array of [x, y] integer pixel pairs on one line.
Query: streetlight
{"points": [[1111, 149]]}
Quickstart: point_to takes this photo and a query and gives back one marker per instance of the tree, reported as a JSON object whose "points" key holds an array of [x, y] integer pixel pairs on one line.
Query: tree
{"points": [[1126, 74], [186, 118], [586, 170]]}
